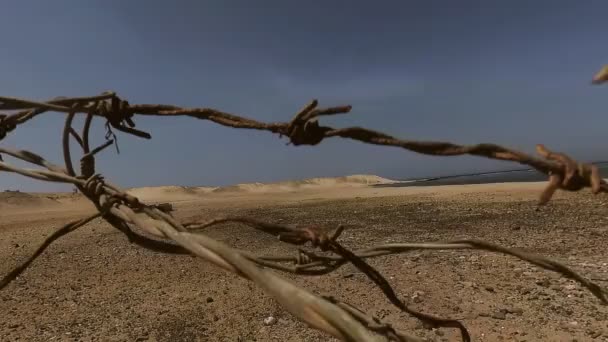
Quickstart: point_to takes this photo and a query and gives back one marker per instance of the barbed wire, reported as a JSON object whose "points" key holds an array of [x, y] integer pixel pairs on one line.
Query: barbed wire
{"points": [[155, 229]]}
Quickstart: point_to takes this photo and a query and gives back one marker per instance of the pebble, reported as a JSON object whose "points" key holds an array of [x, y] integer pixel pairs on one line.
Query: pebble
{"points": [[469, 284], [209, 300], [270, 320], [515, 311], [417, 296], [499, 315], [555, 287], [543, 283], [525, 290], [594, 333]]}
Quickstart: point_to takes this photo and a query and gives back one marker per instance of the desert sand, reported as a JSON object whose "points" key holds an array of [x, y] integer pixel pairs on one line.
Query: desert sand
{"points": [[93, 285]]}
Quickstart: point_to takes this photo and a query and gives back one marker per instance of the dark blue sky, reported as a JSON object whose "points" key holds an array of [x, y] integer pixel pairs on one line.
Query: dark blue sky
{"points": [[510, 72]]}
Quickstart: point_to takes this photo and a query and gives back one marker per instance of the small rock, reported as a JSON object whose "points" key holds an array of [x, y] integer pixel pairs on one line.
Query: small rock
{"points": [[597, 232], [423, 326], [469, 284], [209, 300], [499, 315], [215, 318], [515, 311], [570, 287], [270, 320], [525, 290], [594, 333], [489, 288], [543, 283], [417, 296]]}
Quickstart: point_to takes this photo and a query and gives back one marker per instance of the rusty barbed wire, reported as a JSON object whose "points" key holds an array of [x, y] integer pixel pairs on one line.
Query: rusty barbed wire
{"points": [[304, 129], [153, 227]]}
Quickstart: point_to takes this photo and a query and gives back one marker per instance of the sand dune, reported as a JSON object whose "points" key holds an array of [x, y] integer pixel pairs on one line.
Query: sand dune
{"points": [[311, 183], [168, 193], [313, 188], [176, 193], [14, 199], [11, 201]]}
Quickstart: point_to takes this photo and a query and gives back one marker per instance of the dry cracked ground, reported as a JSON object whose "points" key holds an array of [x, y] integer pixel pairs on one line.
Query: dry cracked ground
{"points": [[93, 285]]}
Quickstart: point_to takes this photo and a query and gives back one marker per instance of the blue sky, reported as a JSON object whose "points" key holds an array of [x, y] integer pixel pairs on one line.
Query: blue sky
{"points": [[510, 72]]}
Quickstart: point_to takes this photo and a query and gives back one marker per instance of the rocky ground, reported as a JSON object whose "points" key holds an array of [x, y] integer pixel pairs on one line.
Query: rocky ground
{"points": [[94, 286]]}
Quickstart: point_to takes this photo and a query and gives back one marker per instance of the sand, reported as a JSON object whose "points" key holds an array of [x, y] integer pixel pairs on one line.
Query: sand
{"points": [[94, 286], [181, 193]]}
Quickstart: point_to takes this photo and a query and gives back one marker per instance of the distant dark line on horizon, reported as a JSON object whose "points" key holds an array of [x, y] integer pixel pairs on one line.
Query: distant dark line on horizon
{"points": [[428, 179]]}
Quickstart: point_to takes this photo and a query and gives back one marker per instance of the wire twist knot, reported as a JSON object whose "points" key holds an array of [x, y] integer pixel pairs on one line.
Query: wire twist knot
{"points": [[303, 258], [574, 177], [116, 111], [317, 236], [304, 128], [6, 126], [93, 186], [306, 132], [87, 166]]}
